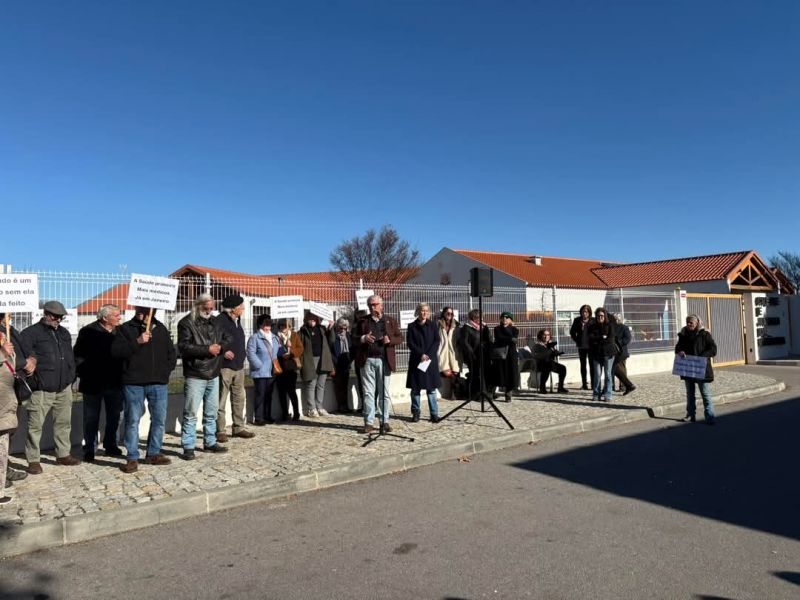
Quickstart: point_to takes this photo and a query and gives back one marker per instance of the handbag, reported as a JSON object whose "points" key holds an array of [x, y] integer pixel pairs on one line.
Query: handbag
{"points": [[22, 389], [276, 364], [499, 353]]}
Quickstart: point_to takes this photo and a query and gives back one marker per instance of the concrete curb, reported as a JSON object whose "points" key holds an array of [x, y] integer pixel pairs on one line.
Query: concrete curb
{"points": [[21, 539]]}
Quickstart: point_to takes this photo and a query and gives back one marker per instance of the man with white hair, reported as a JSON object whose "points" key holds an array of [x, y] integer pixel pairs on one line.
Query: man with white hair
{"points": [[201, 343], [100, 380], [374, 340]]}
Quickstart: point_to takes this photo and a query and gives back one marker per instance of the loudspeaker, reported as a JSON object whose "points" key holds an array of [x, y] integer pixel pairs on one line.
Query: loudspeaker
{"points": [[481, 282]]}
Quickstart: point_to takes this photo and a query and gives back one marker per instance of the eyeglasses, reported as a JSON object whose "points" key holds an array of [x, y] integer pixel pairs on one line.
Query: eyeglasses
{"points": [[374, 304], [54, 317]]}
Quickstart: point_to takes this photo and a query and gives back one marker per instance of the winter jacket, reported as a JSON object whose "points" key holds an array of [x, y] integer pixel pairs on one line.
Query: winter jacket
{"points": [[55, 362], [698, 343], [623, 339], [307, 372], [363, 327], [576, 331], [97, 369], [195, 335], [260, 357], [8, 401], [601, 340], [423, 339], [144, 364], [236, 345], [449, 353], [469, 341]]}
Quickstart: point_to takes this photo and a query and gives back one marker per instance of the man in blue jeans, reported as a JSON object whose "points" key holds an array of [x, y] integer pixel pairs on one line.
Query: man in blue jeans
{"points": [[695, 340], [201, 342], [148, 358]]}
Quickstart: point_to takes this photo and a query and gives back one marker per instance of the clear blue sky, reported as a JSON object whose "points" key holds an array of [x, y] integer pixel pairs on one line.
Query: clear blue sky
{"points": [[255, 136]]}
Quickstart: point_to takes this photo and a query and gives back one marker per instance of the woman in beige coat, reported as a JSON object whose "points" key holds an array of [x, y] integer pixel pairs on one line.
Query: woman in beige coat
{"points": [[449, 356], [8, 411]]}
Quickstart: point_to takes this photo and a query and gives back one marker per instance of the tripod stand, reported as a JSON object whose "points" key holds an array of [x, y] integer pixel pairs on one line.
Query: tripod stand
{"points": [[381, 397], [482, 394]]}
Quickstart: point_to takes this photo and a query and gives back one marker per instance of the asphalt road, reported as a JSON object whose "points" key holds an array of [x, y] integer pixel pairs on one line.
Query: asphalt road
{"points": [[656, 509]]}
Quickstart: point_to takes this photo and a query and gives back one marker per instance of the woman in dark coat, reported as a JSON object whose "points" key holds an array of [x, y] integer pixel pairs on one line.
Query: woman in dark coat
{"points": [[506, 370], [693, 340], [473, 342], [620, 369], [579, 332], [422, 339], [341, 343], [602, 335]]}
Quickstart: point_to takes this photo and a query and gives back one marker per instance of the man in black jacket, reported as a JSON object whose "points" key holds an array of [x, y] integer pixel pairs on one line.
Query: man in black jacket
{"points": [[148, 358], [201, 342], [232, 371], [695, 340], [51, 346], [100, 380]]}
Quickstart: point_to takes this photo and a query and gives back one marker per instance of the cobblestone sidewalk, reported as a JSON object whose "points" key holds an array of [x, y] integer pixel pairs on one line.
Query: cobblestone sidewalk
{"points": [[311, 445]]}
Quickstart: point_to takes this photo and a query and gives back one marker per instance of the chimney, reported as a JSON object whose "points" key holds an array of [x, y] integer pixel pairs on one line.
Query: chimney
{"points": [[537, 260]]}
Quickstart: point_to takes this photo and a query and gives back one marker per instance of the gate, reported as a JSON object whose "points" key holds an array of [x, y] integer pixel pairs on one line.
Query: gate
{"points": [[722, 315]]}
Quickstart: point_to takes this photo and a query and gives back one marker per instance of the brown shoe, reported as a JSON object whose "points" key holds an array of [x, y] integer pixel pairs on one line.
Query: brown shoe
{"points": [[368, 429], [243, 434], [34, 468], [387, 428], [68, 461], [222, 438], [157, 459], [130, 466]]}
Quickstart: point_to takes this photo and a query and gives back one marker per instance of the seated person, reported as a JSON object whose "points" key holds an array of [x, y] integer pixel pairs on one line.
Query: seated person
{"points": [[545, 353]]}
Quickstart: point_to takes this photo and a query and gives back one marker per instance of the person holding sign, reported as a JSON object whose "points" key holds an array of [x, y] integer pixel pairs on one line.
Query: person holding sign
{"points": [[201, 343], [422, 339], [51, 345], [232, 372], [694, 340], [374, 339], [148, 358]]}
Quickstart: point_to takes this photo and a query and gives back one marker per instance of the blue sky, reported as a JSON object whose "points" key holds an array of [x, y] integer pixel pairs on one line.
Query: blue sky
{"points": [[255, 136]]}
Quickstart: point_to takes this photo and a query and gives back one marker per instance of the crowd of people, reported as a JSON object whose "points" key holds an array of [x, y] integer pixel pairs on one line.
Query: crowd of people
{"points": [[123, 367]]}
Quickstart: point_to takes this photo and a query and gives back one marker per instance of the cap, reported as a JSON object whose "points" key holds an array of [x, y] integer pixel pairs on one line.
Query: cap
{"points": [[232, 301], [54, 307]]}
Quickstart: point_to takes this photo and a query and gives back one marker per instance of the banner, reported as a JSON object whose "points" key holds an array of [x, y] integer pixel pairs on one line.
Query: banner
{"points": [[693, 367], [153, 292], [19, 292], [287, 307]]}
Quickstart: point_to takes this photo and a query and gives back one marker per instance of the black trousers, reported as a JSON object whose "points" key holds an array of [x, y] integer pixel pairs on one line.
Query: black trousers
{"points": [[262, 402], [287, 386], [585, 359], [552, 367], [621, 373], [341, 382]]}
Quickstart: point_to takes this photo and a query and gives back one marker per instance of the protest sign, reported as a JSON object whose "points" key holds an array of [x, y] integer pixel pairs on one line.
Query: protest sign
{"points": [[323, 311], [19, 292], [287, 307], [406, 317], [69, 322], [153, 292], [690, 366], [361, 298]]}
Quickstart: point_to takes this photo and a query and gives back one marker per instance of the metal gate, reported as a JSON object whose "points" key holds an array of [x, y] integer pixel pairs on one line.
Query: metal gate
{"points": [[722, 315]]}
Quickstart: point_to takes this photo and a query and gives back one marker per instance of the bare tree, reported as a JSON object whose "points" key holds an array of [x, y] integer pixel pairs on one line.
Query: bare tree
{"points": [[789, 264], [376, 257]]}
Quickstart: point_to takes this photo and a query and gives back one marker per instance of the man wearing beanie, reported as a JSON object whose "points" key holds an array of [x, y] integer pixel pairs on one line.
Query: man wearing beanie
{"points": [[232, 372], [51, 346]]}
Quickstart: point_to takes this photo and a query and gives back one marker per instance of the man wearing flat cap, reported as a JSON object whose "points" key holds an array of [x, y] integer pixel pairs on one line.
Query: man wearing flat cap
{"points": [[232, 371], [51, 346]]}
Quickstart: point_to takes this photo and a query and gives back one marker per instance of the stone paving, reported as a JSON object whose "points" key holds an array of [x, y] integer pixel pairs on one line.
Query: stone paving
{"points": [[310, 445]]}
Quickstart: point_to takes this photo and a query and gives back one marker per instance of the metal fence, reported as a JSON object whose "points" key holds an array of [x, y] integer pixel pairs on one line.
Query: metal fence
{"points": [[650, 315]]}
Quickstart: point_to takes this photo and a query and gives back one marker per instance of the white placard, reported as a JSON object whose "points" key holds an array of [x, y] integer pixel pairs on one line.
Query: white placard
{"points": [[323, 311], [69, 322], [19, 292], [690, 366], [153, 292], [423, 366], [286, 307], [406, 317], [361, 298], [455, 314]]}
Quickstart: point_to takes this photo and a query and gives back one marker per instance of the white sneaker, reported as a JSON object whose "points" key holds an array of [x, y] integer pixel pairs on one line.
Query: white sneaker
{"points": [[324, 413], [312, 414]]}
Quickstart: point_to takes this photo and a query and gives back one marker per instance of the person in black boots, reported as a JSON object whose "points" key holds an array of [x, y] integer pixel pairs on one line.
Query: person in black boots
{"points": [[545, 354], [505, 362], [620, 369], [100, 380], [472, 343], [695, 340], [342, 343], [579, 332]]}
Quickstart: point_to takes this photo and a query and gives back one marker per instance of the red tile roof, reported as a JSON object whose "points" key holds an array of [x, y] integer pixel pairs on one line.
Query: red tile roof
{"points": [[117, 294], [677, 270], [561, 272]]}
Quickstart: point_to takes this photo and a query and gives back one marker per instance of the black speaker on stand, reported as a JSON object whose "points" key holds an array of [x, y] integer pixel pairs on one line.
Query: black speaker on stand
{"points": [[481, 283]]}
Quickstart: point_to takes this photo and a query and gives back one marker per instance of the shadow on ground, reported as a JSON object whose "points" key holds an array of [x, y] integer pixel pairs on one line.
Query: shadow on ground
{"points": [[741, 471]]}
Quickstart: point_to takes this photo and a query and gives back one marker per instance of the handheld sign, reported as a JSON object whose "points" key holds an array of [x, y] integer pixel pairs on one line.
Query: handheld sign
{"points": [[286, 307], [153, 292], [361, 298], [693, 367], [406, 317], [19, 293], [323, 311]]}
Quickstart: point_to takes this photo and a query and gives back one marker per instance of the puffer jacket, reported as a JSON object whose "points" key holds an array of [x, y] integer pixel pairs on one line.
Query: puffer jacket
{"points": [[698, 343], [194, 338]]}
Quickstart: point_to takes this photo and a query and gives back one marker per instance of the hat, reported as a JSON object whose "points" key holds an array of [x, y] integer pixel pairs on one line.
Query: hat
{"points": [[232, 301], [54, 307], [505, 313]]}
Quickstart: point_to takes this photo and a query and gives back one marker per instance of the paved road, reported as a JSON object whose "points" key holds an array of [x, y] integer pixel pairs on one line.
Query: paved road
{"points": [[652, 509]]}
